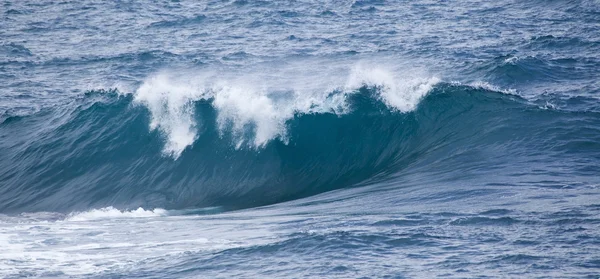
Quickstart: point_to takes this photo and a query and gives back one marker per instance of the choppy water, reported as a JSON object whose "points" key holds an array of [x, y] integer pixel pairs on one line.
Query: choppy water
{"points": [[260, 139]]}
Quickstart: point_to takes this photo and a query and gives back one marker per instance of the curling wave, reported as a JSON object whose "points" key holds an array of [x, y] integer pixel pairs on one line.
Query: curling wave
{"points": [[206, 148]]}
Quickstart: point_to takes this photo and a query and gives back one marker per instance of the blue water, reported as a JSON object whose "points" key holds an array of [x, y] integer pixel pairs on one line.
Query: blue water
{"points": [[300, 139]]}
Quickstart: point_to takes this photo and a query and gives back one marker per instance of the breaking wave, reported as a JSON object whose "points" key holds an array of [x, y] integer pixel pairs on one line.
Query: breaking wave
{"points": [[229, 141]]}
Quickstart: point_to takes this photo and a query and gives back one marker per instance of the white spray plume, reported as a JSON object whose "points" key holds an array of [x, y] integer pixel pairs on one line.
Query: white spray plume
{"points": [[265, 99]]}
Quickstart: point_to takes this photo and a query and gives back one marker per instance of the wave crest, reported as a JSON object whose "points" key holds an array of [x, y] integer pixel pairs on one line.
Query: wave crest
{"points": [[254, 107]]}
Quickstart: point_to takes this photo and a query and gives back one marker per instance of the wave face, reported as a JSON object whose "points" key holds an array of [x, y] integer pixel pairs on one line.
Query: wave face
{"points": [[178, 144], [202, 148]]}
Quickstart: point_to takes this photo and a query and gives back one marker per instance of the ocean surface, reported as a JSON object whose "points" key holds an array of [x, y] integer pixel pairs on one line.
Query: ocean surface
{"points": [[300, 139]]}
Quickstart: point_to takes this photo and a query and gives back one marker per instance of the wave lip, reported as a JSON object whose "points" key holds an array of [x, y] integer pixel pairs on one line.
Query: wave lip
{"points": [[171, 111], [403, 94], [261, 104]]}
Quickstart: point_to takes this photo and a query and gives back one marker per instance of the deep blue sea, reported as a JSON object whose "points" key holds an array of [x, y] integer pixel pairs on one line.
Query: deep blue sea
{"points": [[300, 139]]}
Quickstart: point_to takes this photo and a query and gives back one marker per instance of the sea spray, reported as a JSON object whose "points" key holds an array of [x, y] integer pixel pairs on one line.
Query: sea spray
{"points": [[262, 102]]}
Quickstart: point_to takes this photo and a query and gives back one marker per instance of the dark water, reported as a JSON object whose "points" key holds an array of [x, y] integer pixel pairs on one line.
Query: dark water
{"points": [[258, 139]]}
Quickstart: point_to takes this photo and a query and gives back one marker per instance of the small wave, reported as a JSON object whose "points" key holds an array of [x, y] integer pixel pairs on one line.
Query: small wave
{"points": [[179, 22], [512, 70], [479, 221], [367, 3], [12, 50], [561, 42], [490, 87]]}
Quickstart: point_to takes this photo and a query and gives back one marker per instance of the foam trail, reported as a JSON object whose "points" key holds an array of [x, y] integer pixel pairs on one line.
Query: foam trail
{"points": [[112, 213], [254, 106], [487, 86]]}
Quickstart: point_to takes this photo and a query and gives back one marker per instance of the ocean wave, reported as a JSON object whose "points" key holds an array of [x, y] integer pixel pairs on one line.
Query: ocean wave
{"points": [[209, 145]]}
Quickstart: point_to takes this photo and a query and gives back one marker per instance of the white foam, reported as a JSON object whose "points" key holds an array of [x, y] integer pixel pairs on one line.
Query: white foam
{"points": [[121, 88], [171, 106], [487, 86], [245, 105], [512, 60], [66, 248], [399, 92], [263, 99], [112, 213]]}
